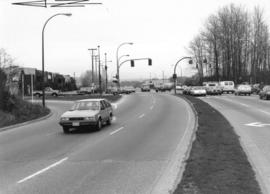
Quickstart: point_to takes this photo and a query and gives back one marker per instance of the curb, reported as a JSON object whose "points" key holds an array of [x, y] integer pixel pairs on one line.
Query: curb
{"points": [[163, 185], [26, 123]]}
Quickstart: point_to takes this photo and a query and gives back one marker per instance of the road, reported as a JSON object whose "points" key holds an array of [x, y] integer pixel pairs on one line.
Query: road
{"points": [[129, 156], [250, 118]]}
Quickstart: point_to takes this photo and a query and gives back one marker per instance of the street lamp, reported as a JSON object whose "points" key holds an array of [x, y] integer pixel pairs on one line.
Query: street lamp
{"points": [[117, 61], [174, 72], [43, 60]]}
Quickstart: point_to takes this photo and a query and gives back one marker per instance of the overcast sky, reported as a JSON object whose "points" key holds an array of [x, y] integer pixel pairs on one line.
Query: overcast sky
{"points": [[159, 29]]}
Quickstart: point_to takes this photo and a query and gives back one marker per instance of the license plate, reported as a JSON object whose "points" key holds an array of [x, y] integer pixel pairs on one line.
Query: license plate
{"points": [[75, 124]]}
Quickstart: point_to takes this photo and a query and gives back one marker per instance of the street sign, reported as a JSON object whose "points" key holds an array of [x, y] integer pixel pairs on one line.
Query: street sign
{"points": [[257, 124]]}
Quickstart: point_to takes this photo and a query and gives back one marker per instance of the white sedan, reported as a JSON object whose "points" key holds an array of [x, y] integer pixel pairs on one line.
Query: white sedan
{"points": [[198, 91], [87, 113]]}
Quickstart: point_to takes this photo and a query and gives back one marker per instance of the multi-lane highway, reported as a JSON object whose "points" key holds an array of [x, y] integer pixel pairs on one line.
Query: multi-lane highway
{"points": [[129, 156], [250, 118]]}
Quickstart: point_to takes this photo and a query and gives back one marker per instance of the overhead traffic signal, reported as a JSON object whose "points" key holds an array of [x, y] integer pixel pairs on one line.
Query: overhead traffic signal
{"points": [[132, 63], [150, 62], [174, 76]]}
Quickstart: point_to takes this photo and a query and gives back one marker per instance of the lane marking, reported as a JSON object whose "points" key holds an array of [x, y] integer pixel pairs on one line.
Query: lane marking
{"points": [[245, 105], [42, 171], [141, 116], [151, 107], [117, 130], [265, 112]]}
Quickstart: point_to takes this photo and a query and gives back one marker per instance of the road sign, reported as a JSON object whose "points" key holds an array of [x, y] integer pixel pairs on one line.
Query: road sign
{"points": [[257, 124]]}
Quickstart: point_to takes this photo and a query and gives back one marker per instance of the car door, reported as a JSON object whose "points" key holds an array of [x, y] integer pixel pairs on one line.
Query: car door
{"points": [[103, 111]]}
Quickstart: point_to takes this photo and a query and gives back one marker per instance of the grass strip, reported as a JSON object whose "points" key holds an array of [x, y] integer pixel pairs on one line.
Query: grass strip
{"points": [[217, 163], [111, 98]]}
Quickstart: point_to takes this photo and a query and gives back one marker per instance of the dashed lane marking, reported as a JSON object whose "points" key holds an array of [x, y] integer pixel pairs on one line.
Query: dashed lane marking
{"points": [[141, 116], [42, 171], [117, 130]]}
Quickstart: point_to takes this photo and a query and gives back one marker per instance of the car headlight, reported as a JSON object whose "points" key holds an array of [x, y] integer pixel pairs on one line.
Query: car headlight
{"points": [[64, 118], [268, 93], [90, 118]]}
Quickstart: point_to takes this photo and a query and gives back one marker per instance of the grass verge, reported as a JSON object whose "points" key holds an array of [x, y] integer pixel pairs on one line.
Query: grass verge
{"points": [[111, 98], [21, 111], [217, 163]]}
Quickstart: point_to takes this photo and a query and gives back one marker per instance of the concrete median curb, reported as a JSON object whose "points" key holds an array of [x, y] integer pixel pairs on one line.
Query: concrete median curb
{"points": [[26, 123], [172, 174]]}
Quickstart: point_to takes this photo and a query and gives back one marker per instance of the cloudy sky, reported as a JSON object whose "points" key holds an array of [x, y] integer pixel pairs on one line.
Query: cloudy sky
{"points": [[159, 29]]}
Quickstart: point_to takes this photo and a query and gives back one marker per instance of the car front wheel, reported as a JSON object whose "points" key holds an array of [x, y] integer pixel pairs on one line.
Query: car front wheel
{"points": [[99, 125], [65, 129], [109, 121]]}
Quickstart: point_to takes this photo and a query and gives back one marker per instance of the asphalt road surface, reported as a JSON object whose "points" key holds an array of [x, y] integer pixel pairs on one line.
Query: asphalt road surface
{"points": [[250, 118], [127, 157]]}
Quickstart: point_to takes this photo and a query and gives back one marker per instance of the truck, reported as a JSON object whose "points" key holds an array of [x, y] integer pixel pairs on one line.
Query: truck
{"points": [[48, 91]]}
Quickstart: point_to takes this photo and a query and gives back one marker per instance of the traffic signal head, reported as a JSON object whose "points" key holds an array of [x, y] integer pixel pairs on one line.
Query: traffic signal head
{"points": [[190, 62], [150, 62], [174, 76], [132, 63], [115, 80]]}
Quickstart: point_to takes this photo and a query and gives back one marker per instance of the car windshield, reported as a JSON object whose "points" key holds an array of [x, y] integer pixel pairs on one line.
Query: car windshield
{"points": [[85, 105]]}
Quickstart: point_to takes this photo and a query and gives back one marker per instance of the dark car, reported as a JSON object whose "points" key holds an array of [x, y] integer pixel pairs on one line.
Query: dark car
{"points": [[265, 93]]}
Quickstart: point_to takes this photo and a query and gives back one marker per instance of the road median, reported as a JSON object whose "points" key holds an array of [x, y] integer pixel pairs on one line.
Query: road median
{"points": [[217, 163]]}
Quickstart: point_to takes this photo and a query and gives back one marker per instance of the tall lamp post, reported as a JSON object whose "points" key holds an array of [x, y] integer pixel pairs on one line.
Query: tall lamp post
{"points": [[43, 60], [174, 72], [117, 61]]}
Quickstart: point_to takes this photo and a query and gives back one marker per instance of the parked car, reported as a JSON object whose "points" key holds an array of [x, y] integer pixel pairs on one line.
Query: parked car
{"points": [[87, 113], [127, 90], [243, 90], [48, 91], [145, 88], [212, 88], [186, 90], [227, 86], [255, 88], [198, 91], [265, 93]]}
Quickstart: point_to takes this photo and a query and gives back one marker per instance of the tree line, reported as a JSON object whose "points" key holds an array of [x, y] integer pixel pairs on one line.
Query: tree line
{"points": [[235, 42]]}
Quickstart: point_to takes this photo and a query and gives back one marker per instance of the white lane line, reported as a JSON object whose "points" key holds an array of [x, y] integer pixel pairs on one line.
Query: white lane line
{"points": [[265, 112], [42, 171], [245, 105], [117, 130], [141, 116], [151, 107]]}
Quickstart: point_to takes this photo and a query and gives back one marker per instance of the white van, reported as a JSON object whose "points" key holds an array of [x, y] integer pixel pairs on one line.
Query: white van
{"points": [[227, 86]]}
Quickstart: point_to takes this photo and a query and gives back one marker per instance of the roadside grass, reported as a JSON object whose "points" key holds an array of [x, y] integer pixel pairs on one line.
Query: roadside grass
{"points": [[217, 163], [21, 111], [111, 98]]}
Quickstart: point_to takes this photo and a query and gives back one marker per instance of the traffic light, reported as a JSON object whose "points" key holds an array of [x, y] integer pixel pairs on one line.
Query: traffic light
{"points": [[115, 80], [132, 63], [150, 62], [174, 76], [190, 62]]}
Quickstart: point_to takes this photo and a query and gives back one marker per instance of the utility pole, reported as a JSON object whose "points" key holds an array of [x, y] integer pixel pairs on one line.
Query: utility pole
{"points": [[92, 59], [99, 76]]}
